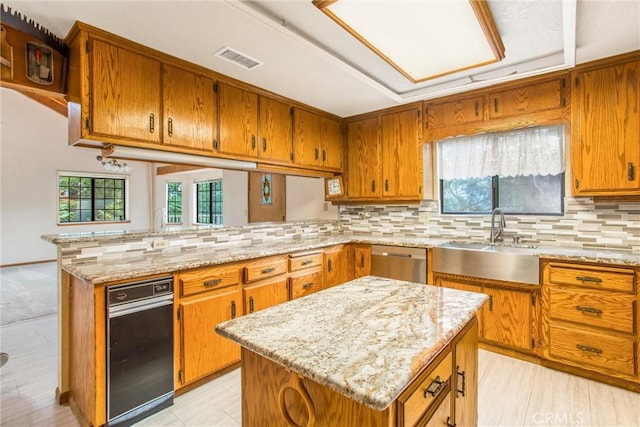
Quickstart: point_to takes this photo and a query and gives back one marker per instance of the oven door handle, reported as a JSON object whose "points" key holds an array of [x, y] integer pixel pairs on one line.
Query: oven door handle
{"points": [[136, 306]]}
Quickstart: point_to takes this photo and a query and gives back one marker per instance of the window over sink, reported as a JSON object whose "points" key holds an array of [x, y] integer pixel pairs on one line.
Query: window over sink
{"points": [[519, 171]]}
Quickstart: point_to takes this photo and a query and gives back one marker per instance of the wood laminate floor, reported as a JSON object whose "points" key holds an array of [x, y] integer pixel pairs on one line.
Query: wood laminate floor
{"points": [[511, 392]]}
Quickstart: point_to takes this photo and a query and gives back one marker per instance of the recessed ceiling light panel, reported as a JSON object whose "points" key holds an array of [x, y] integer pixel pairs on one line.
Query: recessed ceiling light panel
{"points": [[232, 55]]}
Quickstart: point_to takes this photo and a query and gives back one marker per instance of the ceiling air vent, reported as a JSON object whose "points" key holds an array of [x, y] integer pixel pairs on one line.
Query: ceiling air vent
{"points": [[238, 58]]}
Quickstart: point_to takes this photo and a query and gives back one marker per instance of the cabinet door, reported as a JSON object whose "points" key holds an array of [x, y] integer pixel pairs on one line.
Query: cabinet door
{"points": [[507, 318], [606, 130], [462, 286], [362, 260], [528, 99], [276, 140], [402, 154], [336, 266], [203, 350], [454, 113], [363, 159], [238, 121], [465, 388], [264, 295], [331, 148], [306, 138], [124, 94], [189, 112]]}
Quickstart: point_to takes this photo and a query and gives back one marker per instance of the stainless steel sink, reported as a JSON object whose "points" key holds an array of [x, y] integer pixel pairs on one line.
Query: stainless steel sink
{"points": [[518, 264]]}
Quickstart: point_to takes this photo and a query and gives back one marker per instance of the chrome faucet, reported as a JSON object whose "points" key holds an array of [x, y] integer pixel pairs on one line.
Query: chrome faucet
{"points": [[496, 232]]}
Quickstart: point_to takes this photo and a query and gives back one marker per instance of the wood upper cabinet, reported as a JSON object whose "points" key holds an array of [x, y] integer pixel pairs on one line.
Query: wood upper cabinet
{"points": [[238, 121], [364, 161], [203, 350], [606, 130], [275, 135], [124, 94], [337, 265], [264, 294], [401, 134], [454, 112], [527, 99], [189, 109], [317, 140]]}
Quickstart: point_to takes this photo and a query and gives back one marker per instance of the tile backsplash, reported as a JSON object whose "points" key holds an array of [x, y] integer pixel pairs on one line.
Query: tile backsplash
{"points": [[586, 224]]}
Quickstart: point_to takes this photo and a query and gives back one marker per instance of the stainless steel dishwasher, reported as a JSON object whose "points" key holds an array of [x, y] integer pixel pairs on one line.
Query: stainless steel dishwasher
{"points": [[399, 262], [140, 352]]}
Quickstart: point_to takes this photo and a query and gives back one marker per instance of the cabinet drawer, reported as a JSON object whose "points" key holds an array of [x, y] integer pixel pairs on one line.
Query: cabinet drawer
{"points": [[591, 307], [431, 386], [205, 279], [266, 267], [305, 284], [300, 262], [616, 279], [583, 348]]}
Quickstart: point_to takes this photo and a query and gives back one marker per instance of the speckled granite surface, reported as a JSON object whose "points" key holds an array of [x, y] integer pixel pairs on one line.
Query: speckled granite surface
{"points": [[366, 339]]}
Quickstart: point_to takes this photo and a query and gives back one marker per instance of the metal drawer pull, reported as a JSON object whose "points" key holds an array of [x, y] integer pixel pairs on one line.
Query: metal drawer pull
{"points": [[307, 262], [152, 123], [268, 270], [213, 282], [449, 423], [589, 349], [460, 392], [589, 279], [589, 310], [307, 286], [435, 387], [170, 126]]}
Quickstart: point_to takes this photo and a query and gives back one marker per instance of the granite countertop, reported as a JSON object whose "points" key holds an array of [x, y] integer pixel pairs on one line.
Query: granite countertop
{"points": [[366, 339]]}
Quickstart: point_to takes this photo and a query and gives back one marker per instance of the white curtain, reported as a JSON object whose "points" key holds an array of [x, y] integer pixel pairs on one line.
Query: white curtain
{"points": [[528, 151]]}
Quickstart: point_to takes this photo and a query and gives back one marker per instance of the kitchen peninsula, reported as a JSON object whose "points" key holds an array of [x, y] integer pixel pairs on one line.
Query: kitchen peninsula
{"points": [[373, 351]]}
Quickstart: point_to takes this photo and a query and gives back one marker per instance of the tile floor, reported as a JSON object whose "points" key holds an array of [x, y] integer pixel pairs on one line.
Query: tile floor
{"points": [[511, 392]]}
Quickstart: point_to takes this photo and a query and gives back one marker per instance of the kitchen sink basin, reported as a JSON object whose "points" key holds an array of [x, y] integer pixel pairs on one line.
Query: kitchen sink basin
{"points": [[519, 264]]}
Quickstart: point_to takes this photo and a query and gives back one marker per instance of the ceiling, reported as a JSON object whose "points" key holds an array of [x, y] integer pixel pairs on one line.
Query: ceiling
{"points": [[309, 58]]}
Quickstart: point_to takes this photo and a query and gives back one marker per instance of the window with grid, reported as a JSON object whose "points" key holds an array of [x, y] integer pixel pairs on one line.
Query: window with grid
{"points": [[209, 202], [91, 198], [174, 203]]}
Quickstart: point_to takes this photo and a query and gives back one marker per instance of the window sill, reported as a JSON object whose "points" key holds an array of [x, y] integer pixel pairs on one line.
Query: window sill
{"points": [[64, 224]]}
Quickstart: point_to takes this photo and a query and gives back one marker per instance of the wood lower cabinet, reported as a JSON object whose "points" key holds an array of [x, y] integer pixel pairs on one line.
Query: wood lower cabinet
{"points": [[189, 109], [265, 294], [510, 318], [337, 265], [203, 350], [606, 129], [590, 318], [362, 260]]}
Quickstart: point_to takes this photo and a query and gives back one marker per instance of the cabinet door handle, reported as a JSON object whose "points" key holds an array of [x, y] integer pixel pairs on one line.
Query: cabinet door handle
{"points": [[577, 183], [490, 303], [477, 106], [170, 126], [250, 304], [386, 185], [213, 282], [307, 286], [233, 309], [253, 142], [449, 423], [436, 386], [373, 186], [362, 261], [324, 155], [460, 392], [495, 105], [329, 265], [317, 154], [589, 279], [589, 349], [268, 270], [152, 123], [630, 172], [591, 310], [264, 144]]}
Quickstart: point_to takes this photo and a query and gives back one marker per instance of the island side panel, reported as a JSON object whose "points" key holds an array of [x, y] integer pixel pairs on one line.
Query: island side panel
{"points": [[262, 381], [465, 393]]}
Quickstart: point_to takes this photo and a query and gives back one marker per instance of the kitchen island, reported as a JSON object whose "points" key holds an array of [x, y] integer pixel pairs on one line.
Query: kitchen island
{"points": [[372, 351]]}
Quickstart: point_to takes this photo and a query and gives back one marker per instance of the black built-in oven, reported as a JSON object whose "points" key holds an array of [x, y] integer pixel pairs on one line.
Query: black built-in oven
{"points": [[140, 350]]}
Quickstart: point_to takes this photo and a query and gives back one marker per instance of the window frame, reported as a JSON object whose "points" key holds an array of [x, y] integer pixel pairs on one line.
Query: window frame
{"points": [[212, 212], [93, 176], [495, 198], [167, 184]]}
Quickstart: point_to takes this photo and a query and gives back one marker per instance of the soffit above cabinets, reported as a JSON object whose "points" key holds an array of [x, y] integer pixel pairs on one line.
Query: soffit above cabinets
{"points": [[307, 57]]}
